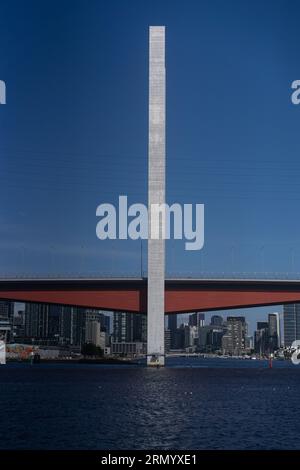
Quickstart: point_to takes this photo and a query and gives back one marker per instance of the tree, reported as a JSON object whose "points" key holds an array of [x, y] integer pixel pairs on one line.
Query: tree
{"points": [[90, 349]]}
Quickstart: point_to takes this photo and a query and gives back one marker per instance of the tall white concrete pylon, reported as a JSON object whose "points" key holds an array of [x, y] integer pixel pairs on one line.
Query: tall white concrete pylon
{"points": [[156, 195]]}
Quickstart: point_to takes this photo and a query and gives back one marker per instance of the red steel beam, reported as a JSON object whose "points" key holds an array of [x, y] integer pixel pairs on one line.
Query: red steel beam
{"points": [[122, 295], [186, 301], [131, 295]]}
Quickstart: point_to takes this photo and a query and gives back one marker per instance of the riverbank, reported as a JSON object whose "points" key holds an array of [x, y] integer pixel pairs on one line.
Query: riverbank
{"points": [[78, 361]]}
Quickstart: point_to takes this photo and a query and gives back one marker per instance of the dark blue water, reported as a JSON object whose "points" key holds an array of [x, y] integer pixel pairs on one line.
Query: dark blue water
{"points": [[192, 404]]}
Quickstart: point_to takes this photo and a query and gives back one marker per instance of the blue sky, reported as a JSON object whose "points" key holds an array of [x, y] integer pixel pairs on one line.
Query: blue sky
{"points": [[74, 131]]}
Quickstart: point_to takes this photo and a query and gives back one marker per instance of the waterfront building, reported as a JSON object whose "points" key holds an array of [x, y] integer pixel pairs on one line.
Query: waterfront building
{"points": [[19, 325], [167, 340], [261, 341], [172, 327], [274, 331], [291, 323], [6, 320], [6, 310], [36, 321], [66, 326], [214, 338], [129, 327], [54, 315], [180, 337], [233, 341], [92, 332], [128, 349], [104, 322]]}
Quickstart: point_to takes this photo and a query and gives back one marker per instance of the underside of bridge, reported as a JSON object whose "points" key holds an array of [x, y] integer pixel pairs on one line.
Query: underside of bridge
{"points": [[130, 295]]}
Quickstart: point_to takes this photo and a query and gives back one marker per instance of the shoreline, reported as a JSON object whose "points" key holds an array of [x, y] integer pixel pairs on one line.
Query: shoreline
{"points": [[75, 361]]}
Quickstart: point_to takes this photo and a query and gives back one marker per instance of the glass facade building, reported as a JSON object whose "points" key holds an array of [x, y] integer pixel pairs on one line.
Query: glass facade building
{"points": [[291, 323]]}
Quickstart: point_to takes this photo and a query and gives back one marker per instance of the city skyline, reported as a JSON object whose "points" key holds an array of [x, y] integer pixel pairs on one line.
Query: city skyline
{"points": [[261, 312], [197, 319]]}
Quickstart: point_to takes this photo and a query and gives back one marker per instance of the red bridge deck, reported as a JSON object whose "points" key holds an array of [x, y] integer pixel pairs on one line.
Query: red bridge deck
{"points": [[181, 295]]}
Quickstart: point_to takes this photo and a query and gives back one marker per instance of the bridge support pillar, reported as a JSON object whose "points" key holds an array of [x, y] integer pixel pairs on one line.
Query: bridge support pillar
{"points": [[156, 195]]}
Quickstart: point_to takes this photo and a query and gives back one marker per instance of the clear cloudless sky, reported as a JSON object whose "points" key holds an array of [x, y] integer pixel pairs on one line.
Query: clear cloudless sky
{"points": [[73, 133]]}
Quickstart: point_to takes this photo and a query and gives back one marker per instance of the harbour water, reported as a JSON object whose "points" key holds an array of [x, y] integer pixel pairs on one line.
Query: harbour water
{"points": [[190, 404]]}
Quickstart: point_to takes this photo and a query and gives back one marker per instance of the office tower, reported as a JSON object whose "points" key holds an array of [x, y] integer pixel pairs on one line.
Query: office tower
{"points": [[233, 342], [291, 323], [262, 325], [78, 326], [105, 322], [167, 340], [214, 338], [54, 314], [209, 338], [93, 315], [66, 325], [172, 327], [197, 319], [122, 327], [129, 327], [6, 320], [202, 337], [193, 336], [261, 338], [19, 325], [36, 321], [156, 195], [187, 336], [93, 322], [140, 328], [92, 332], [180, 337], [73, 326], [6, 310], [249, 344], [261, 341], [274, 331], [216, 320]]}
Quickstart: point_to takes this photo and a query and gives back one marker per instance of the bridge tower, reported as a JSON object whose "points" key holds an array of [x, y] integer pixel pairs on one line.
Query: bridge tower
{"points": [[156, 196]]}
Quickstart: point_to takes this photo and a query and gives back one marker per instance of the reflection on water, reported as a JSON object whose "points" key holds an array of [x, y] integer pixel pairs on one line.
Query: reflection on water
{"points": [[193, 404]]}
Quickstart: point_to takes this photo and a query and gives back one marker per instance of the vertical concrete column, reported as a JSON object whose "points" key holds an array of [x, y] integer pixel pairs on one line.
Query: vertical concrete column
{"points": [[156, 196]]}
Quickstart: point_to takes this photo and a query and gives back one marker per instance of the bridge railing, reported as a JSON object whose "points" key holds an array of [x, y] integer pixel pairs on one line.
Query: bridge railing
{"points": [[135, 275]]}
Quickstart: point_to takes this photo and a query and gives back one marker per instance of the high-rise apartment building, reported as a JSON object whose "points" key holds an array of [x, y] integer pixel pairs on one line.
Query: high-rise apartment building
{"points": [[291, 323], [233, 342], [129, 327], [274, 331]]}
